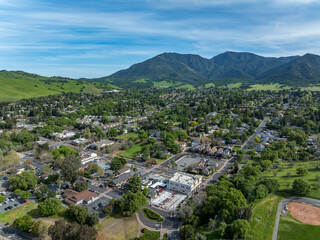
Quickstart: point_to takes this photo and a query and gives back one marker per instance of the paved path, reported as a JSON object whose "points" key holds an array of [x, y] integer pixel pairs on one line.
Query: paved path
{"points": [[281, 210]]}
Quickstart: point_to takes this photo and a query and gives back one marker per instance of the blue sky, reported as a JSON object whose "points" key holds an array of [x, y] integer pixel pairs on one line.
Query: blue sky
{"points": [[75, 38]]}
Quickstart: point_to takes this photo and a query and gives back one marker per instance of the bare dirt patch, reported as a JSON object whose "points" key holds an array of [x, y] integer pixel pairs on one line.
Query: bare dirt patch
{"points": [[305, 213]]}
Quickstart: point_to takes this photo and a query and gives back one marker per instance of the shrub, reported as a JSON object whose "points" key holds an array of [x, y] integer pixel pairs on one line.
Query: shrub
{"points": [[152, 215]]}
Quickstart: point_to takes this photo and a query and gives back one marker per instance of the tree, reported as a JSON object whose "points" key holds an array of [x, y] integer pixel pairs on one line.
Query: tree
{"points": [[221, 228], [186, 211], [116, 164], [143, 135], [261, 191], [81, 186], [108, 210], [69, 168], [23, 181], [265, 164], [39, 229], [134, 184], [272, 184], [49, 207], [62, 230], [301, 187], [22, 194], [301, 171], [78, 214], [186, 232], [239, 228], [52, 194], [132, 202], [23, 223], [200, 236], [63, 151], [92, 219], [2, 198]]}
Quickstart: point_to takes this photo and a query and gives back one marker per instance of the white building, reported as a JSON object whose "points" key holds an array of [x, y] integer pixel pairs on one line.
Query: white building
{"points": [[184, 183]]}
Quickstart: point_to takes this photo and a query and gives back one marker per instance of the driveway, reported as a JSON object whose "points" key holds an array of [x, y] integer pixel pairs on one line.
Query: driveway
{"points": [[281, 210]]}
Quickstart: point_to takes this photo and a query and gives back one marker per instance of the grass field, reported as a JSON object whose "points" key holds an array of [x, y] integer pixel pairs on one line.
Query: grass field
{"points": [[234, 85], [128, 136], [292, 229], [312, 88], [151, 235], [130, 152], [14, 86], [286, 174], [10, 216], [272, 87], [177, 84], [208, 85], [263, 218], [119, 228]]}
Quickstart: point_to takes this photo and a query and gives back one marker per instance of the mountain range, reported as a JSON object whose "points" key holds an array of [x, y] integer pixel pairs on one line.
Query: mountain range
{"points": [[228, 67]]}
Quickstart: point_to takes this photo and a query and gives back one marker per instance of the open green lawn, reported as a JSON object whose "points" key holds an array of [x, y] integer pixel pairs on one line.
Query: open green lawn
{"points": [[11, 215], [311, 88], [130, 152], [127, 136], [208, 85], [286, 174], [263, 218], [272, 87], [177, 84], [14, 86], [119, 228], [234, 85], [141, 80], [292, 229]]}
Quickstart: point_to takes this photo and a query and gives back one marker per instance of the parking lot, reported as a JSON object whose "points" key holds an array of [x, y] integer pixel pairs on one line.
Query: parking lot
{"points": [[98, 206], [13, 203]]}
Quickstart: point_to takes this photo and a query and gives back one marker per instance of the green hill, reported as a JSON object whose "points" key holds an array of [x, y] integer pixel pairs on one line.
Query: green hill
{"points": [[15, 85]]}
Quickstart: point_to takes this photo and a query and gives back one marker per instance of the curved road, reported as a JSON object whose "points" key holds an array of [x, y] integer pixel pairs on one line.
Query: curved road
{"points": [[281, 210]]}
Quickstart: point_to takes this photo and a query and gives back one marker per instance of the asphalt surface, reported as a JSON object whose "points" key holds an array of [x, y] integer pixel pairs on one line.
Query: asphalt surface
{"points": [[10, 203], [257, 132], [282, 205], [171, 220], [7, 232]]}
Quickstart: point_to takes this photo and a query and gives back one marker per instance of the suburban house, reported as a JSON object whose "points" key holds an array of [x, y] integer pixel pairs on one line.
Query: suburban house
{"points": [[101, 144], [72, 197], [121, 179]]}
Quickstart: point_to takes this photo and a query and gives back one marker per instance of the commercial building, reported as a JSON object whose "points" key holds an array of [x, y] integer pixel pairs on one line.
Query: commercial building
{"points": [[184, 183]]}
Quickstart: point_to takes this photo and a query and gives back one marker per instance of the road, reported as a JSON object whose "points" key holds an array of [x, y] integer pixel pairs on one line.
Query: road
{"points": [[281, 207], [7, 232], [257, 132]]}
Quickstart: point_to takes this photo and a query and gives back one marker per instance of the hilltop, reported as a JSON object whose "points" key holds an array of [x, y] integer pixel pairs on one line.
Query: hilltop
{"points": [[229, 67], [17, 84]]}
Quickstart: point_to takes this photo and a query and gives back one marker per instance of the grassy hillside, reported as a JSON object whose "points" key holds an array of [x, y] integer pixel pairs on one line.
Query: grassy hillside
{"points": [[17, 85]]}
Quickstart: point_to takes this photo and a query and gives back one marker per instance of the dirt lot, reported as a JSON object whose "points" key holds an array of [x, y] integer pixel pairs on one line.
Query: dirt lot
{"points": [[305, 213]]}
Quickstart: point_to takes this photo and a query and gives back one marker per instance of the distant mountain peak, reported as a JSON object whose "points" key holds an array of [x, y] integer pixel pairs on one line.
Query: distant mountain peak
{"points": [[196, 70]]}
